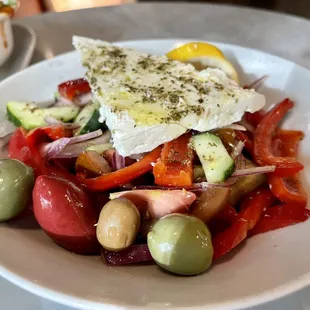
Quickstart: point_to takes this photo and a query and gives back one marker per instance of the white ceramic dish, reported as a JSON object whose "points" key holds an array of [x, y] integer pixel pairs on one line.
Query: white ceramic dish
{"points": [[266, 267]]}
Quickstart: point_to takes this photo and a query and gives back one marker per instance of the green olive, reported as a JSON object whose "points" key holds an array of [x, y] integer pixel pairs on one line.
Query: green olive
{"points": [[181, 244], [118, 224], [16, 184]]}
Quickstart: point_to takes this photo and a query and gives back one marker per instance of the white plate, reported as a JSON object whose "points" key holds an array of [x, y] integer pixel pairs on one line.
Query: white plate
{"points": [[266, 267]]}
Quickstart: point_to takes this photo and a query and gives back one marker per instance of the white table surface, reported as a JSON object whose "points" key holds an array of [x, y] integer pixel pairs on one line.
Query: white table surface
{"points": [[282, 35]]}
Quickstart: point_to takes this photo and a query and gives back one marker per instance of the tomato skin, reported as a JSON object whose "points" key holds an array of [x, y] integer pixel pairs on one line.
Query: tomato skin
{"points": [[74, 88], [263, 151], [66, 215], [18, 148]]}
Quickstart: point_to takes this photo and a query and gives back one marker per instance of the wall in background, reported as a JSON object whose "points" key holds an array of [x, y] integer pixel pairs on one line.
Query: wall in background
{"points": [[31, 7]]}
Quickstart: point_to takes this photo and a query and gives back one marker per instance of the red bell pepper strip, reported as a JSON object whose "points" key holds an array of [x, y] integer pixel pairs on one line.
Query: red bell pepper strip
{"points": [[280, 216], [58, 131], [227, 214], [248, 145], [225, 241], [263, 152], [252, 209], [222, 220], [255, 204], [286, 142], [122, 176], [288, 190], [254, 118], [175, 166], [74, 88]]}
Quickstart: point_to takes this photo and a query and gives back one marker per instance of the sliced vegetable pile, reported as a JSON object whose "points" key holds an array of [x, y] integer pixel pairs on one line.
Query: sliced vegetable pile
{"points": [[183, 205]]}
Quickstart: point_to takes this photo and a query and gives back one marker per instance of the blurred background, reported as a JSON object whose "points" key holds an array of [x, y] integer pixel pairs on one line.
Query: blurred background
{"points": [[32, 7]]}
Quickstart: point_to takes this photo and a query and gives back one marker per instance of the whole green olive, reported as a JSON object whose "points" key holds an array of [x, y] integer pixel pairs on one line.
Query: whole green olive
{"points": [[118, 224], [16, 184], [181, 244]]}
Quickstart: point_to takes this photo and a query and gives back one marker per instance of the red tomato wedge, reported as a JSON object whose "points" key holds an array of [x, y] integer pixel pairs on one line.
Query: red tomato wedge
{"points": [[18, 148], [122, 176], [26, 148], [175, 166], [280, 216], [74, 88], [263, 151]]}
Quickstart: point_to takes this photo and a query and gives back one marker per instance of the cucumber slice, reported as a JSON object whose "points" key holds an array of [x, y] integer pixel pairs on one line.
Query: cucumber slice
{"points": [[216, 162], [100, 148], [30, 116], [88, 119]]}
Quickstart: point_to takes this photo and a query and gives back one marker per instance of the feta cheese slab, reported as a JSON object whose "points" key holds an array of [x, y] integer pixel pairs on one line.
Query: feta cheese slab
{"points": [[147, 100]]}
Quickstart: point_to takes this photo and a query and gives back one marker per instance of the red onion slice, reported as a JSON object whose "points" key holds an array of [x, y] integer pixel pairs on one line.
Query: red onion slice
{"points": [[252, 171], [235, 127], [137, 253], [83, 100], [74, 150], [51, 150], [62, 101], [257, 83], [194, 187], [53, 121], [247, 126], [118, 161], [237, 150], [85, 137], [55, 148]]}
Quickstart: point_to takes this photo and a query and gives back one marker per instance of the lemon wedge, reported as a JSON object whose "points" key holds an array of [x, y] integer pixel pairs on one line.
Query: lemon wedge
{"points": [[203, 55]]}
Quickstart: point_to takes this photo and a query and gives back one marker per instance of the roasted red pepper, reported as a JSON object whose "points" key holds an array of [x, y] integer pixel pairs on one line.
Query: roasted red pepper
{"points": [[280, 216], [263, 151], [254, 118], [255, 204], [175, 166], [286, 142], [122, 176], [251, 211], [58, 131], [74, 88], [225, 241], [289, 189]]}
